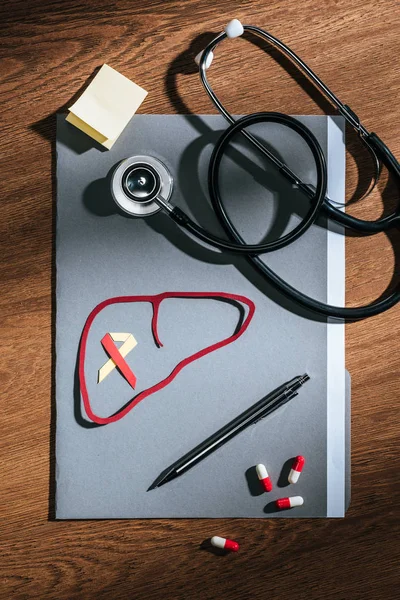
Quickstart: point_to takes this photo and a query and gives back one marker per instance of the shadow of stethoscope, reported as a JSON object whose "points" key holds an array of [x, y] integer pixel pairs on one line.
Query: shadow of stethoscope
{"points": [[183, 64], [388, 188], [284, 208]]}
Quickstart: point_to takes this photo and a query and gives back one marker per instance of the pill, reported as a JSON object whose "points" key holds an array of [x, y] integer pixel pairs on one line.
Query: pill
{"points": [[284, 503], [264, 478], [296, 469], [224, 544]]}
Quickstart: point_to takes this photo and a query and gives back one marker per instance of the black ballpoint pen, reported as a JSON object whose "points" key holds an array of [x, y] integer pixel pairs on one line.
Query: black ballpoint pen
{"points": [[258, 411]]}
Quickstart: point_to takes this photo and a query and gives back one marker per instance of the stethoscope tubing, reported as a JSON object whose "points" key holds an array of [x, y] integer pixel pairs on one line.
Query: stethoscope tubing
{"points": [[238, 245], [235, 243], [379, 151], [373, 143], [213, 185]]}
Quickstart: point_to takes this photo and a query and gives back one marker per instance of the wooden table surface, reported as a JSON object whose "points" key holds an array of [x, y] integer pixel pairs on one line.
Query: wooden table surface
{"points": [[49, 48]]}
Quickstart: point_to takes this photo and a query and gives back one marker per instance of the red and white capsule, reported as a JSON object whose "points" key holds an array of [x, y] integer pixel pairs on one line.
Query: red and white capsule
{"points": [[296, 469], [284, 503], [264, 478], [224, 544]]}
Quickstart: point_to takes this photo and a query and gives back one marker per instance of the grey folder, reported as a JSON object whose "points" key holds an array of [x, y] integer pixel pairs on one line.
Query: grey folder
{"points": [[104, 472]]}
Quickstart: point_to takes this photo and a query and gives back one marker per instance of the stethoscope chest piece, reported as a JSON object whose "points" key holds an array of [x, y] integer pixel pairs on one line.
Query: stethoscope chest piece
{"points": [[137, 181]]}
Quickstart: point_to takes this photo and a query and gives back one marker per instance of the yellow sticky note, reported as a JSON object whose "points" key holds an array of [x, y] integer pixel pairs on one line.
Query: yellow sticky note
{"points": [[106, 106]]}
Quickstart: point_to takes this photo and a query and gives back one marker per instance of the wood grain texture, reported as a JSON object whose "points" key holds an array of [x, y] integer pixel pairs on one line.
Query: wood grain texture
{"points": [[48, 49]]}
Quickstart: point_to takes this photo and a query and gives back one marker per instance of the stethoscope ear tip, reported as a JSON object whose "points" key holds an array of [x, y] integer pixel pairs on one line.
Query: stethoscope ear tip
{"points": [[234, 29], [209, 58]]}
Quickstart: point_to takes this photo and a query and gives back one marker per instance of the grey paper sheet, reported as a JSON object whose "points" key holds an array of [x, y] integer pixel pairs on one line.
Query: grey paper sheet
{"points": [[104, 472]]}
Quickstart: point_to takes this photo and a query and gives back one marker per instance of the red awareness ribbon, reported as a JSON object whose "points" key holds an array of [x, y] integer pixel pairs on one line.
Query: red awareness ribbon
{"points": [[113, 352], [155, 301]]}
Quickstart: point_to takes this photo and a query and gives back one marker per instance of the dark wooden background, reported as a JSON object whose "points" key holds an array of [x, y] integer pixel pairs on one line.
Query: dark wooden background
{"points": [[49, 48]]}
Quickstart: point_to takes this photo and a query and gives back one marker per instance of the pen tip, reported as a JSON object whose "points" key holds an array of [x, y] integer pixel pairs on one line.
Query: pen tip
{"points": [[164, 477], [304, 378], [152, 487], [159, 481]]}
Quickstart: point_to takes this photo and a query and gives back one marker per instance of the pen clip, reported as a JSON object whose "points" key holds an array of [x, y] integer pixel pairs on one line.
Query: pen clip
{"points": [[290, 394]]}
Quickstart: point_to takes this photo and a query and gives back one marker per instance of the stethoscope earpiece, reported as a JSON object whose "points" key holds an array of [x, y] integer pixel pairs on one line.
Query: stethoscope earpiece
{"points": [[234, 29], [209, 59]]}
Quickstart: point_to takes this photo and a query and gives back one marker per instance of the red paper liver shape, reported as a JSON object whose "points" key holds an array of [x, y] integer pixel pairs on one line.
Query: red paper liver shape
{"points": [[155, 302]]}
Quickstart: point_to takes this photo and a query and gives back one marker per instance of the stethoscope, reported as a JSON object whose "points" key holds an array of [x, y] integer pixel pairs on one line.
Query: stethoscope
{"points": [[142, 185]]}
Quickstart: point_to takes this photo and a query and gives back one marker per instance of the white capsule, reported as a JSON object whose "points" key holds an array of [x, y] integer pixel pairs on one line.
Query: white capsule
{"points": [[284, 503], [209, 58], [224, 544], [264, 478], [293, 476], [261, 471], [296, 501], [234, 29], [297, 467]]}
